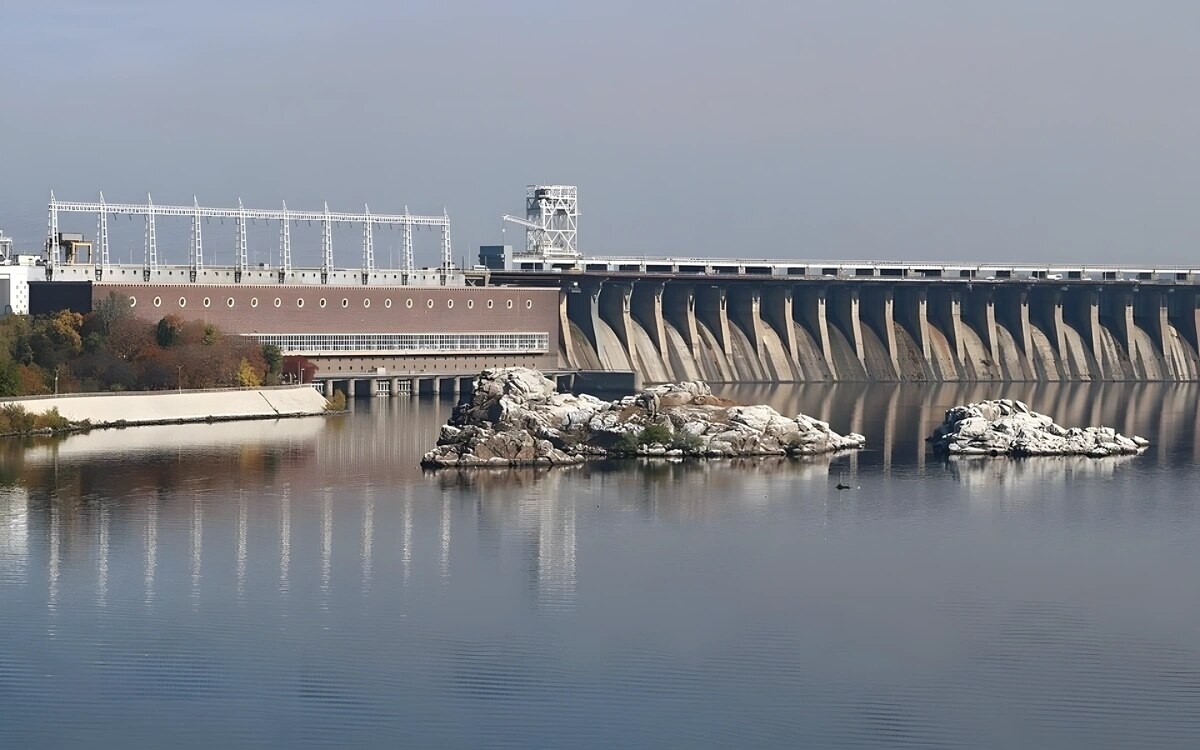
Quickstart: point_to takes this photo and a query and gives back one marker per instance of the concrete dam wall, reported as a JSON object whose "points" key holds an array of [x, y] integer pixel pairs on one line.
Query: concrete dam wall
{"points": [[767, 330]]}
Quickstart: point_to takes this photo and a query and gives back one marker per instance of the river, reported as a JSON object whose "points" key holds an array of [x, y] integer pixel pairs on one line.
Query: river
{"points": [[305, 583]]}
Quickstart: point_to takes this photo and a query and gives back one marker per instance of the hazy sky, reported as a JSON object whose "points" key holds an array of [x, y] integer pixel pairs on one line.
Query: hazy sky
{"points": [[1024, 129]]}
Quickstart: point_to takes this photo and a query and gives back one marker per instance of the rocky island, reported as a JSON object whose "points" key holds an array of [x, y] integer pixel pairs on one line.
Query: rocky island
{"points": [[1008, 428], [516, 417]]}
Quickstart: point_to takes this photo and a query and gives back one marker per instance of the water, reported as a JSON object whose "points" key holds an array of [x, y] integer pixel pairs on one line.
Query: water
{"points": [[305, 584]]}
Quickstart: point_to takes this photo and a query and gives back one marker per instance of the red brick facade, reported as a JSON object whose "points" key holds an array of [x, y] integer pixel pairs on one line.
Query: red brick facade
{"points": [[299, 308]]}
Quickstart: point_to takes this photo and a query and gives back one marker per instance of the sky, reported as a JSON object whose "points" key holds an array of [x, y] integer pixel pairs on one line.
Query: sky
{"points": [[1026, 130]]}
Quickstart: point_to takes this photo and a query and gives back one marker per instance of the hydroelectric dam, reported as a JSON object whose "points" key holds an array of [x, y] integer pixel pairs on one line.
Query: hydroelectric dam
{"points": [[381, 329], [777, 321]]}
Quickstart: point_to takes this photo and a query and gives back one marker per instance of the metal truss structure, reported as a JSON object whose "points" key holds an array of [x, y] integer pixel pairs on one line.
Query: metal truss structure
{"points": [[551, 222], [241, 215]]}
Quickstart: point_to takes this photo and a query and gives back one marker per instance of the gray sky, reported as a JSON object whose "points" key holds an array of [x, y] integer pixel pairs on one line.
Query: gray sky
{"points": [[1057, 131]]}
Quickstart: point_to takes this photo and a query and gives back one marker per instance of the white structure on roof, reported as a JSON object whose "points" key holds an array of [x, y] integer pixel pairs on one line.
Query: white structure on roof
{"points": [[198, 214], [551, 222]]}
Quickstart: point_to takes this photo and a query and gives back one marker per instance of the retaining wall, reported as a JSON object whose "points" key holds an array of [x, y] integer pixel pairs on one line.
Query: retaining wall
{"points": [[179, 406]]}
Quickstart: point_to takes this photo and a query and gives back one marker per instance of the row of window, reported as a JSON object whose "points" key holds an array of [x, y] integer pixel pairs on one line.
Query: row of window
{"points": [[408, 303], [403, 343]]}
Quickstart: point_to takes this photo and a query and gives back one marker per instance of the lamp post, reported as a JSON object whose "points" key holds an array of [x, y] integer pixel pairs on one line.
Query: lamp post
{"points": [[56, 369], [179, 378], [301, 376]]}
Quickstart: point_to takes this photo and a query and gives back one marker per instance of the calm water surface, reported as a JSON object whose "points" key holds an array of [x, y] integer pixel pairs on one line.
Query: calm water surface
{"points": [[303, 583]]}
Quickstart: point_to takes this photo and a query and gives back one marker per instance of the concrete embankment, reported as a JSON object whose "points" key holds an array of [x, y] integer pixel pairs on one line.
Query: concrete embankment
{"points": [[165, 407]]}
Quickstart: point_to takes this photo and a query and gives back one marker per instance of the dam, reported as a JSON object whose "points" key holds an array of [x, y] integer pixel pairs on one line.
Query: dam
{"points": [[549, 306], [669, 321], [742, 320]]}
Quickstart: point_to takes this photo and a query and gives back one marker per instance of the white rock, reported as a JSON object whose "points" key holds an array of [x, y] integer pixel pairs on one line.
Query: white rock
{"points": [[1015, 430], [515, 416]]}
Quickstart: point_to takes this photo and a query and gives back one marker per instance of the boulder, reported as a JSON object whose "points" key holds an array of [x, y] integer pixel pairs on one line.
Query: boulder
{"points": [[1008, 428], [515, 416]]}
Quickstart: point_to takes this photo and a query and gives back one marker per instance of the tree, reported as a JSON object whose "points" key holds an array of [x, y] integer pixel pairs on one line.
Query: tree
{"points": [[55, 339], [108, 311], [273, 357], [247, 376], [10, 379], [32, 380], [167, 333], [130, 338]]}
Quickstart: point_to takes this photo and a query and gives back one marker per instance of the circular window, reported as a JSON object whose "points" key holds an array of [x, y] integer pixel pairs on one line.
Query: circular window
{"points": [[366, 303], [470, 304], [387, 303], [322, 302], [158, 301], [345, 302], [183, 301], [429, 303], [408, 304], [510, 304], [229, 301], [450, 304], [133, 301], [490, 303], [528, 304], [207, 302], [254, 301], [300, 302], [278, 302]]}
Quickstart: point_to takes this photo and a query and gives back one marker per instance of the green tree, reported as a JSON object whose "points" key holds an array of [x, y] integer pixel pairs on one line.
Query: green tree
{"points": [[10, 379], [168, 331], [273, 356], [108, 311]]}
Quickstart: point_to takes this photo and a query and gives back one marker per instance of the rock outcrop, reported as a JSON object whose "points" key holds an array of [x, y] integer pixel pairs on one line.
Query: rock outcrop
{"points": [[1008, 428], [516, 417]]}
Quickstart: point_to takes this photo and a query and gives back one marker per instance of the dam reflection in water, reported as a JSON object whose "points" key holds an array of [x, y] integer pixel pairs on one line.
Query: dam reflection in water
{"points": [[341, 474], [258, 542]]}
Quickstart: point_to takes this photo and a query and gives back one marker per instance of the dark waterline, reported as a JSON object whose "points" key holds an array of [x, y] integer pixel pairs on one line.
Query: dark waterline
{"points": [[304, 583]]}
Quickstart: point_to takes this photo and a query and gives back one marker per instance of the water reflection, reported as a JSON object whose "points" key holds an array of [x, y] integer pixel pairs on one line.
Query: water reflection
{"points": [[197, 545], [52, 484], [151, 547], [368, 535], [897, 419], [285, 539], [1024, 474], [14, 534], [312, 571]]}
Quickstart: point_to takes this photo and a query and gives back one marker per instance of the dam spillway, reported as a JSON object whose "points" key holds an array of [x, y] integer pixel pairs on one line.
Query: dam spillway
{"points": [[746, 327]]}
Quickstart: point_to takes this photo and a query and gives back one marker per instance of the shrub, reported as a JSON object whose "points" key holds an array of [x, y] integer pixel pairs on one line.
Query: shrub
{"points": [[336, 402], [14, 420], [51, 420], [687, 442], [627, 444], [655, 433]]}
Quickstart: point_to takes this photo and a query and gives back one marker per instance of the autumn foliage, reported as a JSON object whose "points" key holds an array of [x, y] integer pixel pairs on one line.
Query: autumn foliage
{"points": [[112, 350]]}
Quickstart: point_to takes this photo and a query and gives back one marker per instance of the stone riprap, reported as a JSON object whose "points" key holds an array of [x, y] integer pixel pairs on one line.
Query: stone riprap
{"points": [[517, 417], [1008, 428]]}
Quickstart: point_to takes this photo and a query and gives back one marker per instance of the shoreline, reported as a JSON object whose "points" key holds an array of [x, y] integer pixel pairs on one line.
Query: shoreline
{"points": [[88, 411]]}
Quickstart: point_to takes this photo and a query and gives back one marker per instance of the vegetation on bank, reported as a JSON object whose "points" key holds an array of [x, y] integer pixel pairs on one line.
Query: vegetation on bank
{"points": [[336, 402], [630, 442], [15, 420], [111, 349]]}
